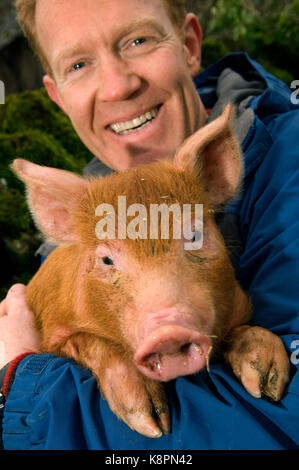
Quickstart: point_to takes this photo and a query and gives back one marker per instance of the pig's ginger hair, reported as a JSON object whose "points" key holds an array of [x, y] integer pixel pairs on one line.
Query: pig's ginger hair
{"points": [[176, 10]]}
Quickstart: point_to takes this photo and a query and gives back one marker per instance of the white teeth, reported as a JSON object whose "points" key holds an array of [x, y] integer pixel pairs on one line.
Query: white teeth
{"points": [[129, 126]]}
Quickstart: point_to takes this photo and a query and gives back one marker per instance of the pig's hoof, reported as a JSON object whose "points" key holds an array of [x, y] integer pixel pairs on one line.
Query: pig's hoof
{"points": [[140, 402], [259, 359]]}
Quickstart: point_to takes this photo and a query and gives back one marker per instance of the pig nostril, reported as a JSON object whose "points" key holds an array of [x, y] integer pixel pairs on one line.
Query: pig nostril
{"points": [[153, 361], [185, 348], [191, 348]]}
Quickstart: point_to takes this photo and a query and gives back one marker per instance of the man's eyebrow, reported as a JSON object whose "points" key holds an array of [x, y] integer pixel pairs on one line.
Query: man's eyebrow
{"points": [[133, 25]]}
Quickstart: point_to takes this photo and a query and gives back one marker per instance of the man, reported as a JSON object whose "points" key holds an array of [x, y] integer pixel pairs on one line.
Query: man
{"points": [[125, 72]]}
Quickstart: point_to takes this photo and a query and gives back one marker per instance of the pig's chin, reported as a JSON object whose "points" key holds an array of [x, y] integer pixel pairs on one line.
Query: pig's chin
{"points": [[171, 351]]}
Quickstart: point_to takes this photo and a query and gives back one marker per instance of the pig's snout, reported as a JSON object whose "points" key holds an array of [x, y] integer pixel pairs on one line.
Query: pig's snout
{"points": [[171, 351]]}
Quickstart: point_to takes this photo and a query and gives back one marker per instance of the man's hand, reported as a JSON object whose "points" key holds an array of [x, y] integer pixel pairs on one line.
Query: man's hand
{"points": [[18, 334]]}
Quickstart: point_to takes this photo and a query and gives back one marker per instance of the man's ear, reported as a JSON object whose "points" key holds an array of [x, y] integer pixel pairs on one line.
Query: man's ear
{"points": [[53, 92], [192, 43]]}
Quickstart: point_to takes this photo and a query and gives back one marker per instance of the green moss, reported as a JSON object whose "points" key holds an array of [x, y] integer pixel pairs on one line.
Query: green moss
{"points": [[34, 128], [31, 111]]}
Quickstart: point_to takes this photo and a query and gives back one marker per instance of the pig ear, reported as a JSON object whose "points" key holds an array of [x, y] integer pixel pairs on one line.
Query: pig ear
{"points": [[52, 196], [214, 151]]}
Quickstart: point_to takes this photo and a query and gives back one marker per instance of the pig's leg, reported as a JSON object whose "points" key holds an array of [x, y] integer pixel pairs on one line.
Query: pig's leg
{"points": [[140, 402], [259, 359]]}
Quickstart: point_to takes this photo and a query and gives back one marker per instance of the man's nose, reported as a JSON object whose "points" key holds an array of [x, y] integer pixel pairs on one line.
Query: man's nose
{"points": [[118, 82]]}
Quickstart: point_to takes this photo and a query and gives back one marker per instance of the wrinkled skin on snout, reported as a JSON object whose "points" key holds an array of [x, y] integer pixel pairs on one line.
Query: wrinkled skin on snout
{"points": [[139, 312]]}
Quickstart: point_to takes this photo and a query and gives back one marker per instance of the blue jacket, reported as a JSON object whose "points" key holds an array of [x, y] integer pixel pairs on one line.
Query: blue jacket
{"points": [[54, 404]]}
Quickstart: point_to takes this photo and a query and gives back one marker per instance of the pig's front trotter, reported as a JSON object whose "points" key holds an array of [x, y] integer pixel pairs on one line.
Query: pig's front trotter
{"points": [[140, 402], [259, 359]]}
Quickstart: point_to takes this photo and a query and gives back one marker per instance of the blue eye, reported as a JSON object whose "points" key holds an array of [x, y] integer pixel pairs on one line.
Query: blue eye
{"points": [[139, 41], [78, 66]]}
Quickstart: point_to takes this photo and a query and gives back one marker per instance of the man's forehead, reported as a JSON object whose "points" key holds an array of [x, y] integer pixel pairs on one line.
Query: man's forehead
{"points": [[129, 14], [109, 5]]}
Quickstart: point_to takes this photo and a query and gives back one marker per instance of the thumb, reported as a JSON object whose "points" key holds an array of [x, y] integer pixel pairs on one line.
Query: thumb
{"points": [[3, 308], [16, 300]]}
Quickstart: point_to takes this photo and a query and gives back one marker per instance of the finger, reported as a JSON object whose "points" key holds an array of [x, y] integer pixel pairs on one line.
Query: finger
{"points": [[16, 289], [3, 308], [16, 299]]}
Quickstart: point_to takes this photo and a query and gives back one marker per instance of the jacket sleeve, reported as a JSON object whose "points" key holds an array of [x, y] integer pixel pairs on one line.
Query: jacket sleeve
{"points": [[50, 404], [269, 266], [54, 404]]}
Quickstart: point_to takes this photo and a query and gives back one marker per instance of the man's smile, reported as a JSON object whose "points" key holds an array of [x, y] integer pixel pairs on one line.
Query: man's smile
{"points": [[135, 124]]}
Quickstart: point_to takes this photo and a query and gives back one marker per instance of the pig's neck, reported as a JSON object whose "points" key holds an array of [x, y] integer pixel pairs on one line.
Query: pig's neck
{"points": [[58, 300]]}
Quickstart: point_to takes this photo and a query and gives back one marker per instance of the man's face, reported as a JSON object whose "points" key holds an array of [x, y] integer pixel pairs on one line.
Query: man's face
{"points": [[122, 75]]}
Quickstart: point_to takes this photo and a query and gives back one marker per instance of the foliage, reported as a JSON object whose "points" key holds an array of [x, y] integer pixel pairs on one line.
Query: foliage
{"points": [[34, 128], [267, 30]]}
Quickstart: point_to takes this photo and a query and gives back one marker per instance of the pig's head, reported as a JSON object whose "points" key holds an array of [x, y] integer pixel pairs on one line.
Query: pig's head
{"points": [[163, 305]]}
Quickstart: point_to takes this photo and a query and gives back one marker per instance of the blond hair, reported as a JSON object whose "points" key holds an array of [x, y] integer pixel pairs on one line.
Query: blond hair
{"points": [[176, 10]]}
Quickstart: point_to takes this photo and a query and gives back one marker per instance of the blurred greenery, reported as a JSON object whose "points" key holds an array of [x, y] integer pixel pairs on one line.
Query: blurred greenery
{"points": [[267, 30], [32, 127]]}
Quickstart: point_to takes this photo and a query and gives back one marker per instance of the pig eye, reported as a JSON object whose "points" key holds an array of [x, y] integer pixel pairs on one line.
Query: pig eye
{"points": [[193, 236], [107, 260], [197, 236]]}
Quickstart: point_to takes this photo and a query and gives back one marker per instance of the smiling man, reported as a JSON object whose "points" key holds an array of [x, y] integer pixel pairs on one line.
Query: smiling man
{"points": [[125, 72], [122, 74]]}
